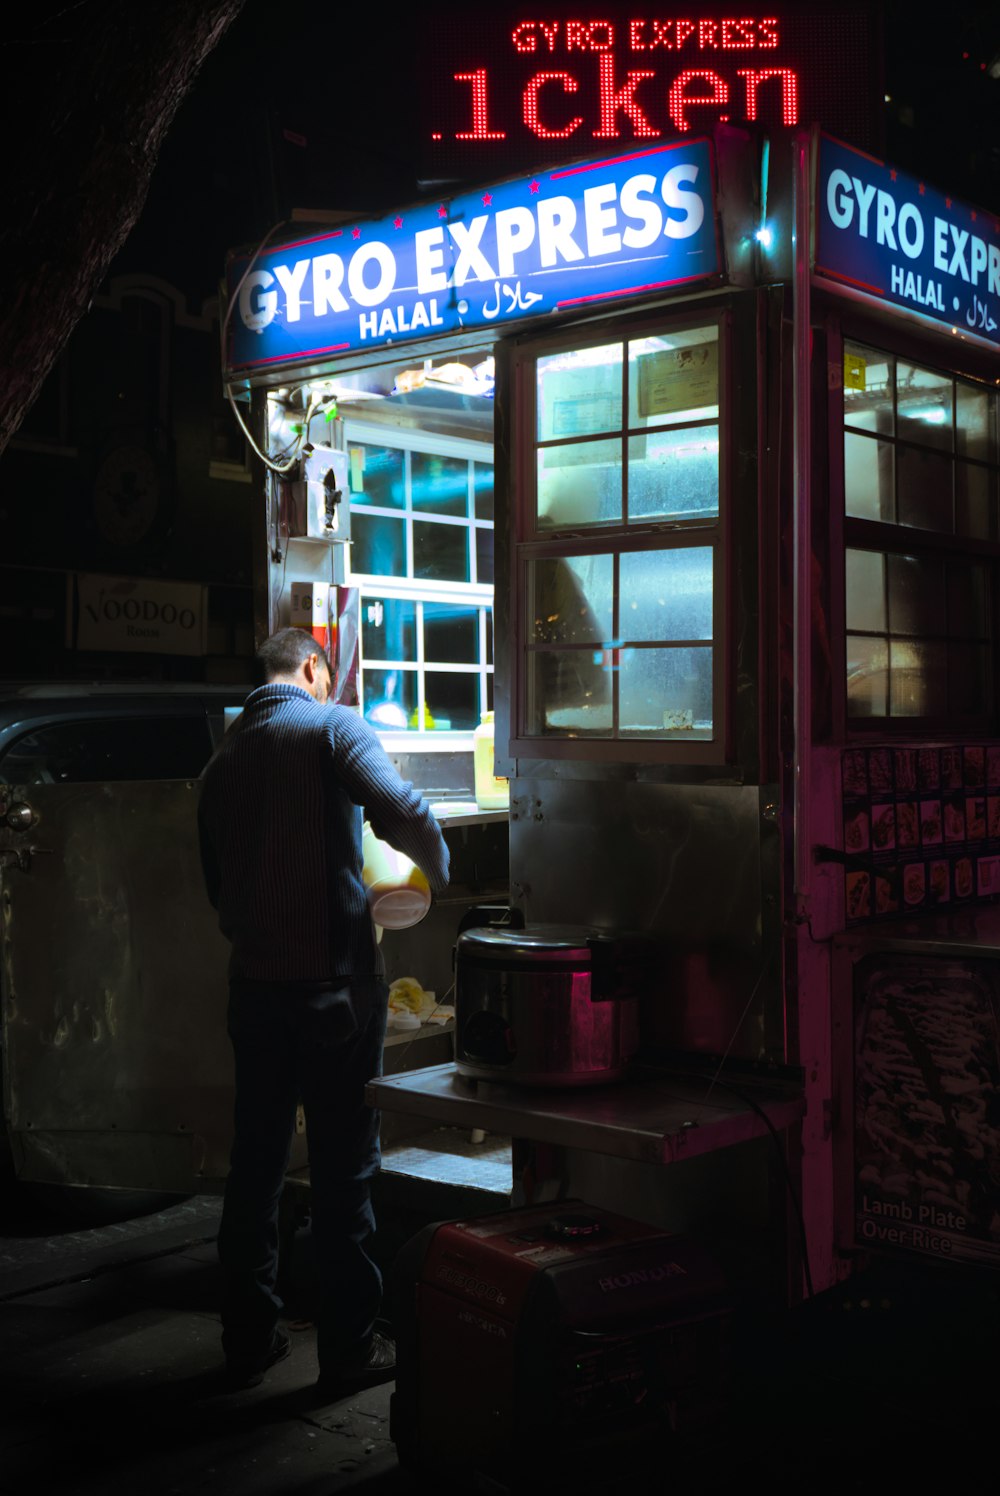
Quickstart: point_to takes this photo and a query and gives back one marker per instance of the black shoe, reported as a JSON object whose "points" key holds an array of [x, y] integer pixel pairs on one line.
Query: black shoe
{"points": [[249, 1371], [375, 1362]]}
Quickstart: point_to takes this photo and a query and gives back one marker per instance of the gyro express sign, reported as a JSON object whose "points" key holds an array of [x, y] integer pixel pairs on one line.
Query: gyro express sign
{"points": [[554, 240], [891, 236]]}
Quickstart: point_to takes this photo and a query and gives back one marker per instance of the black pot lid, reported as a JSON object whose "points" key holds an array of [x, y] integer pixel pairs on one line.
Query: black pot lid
{"points": [[533, 943]]}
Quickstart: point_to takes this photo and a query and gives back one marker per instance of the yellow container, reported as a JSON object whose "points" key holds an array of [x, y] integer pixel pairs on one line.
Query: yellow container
{"points": [[398, 893], [492, 792]]}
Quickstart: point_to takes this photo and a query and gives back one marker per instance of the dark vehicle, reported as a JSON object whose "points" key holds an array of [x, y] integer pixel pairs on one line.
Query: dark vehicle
{"points": [[116, 1066]]}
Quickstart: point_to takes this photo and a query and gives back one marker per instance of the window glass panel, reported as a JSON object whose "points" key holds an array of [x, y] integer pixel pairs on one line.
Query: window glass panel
{"points": [[381, 476], [87, 752], [390, 698], [439, 484], [580, 393], [666, 693], [968, 598], [452, 700], [969, 690], [388, 628], [569, 692], [451, 634], [378, 545], [674, 473], [484, 556], [571, 600], [867, 676], [666, 595], [976, 422], [580, 484], [440, 552], [916, 595], [975, 501], [924, 496], [868, 485], [482, 480], [868, 377], [865, 591], [674, 378], [918, 681], [923, 406]]}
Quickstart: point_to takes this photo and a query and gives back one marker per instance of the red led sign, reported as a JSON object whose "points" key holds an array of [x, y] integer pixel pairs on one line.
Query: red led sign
{"points": [[506, 89]]}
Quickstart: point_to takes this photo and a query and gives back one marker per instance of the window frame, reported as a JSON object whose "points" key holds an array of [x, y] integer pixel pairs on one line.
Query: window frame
{"points": [[528, 543], [889, 538]]}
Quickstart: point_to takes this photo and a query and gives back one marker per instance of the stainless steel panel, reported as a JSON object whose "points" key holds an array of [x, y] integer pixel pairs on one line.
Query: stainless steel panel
{"points": [[114, 989], [694, 865]]}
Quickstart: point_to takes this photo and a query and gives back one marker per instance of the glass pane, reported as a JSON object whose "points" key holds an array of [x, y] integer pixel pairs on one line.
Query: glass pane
{"points": [[916, 594], [969, 679], [918, 679], [580, 393], [923, 406], [867, 676], [389, 698], [379, 477], [451, 634], [868, 485], [82, 752], [674, 378], [674, 473], [924, 489], [866, 591], [571, 600], [452, 701], [868, 389], [976, 418], [666, 693], [579, 484], [439, 485], [665, 595], [975, 501], [378, 545], [968, 600], [569, 692], [388, 629], [482, 482], [440, 552], [484, 556], [489, 636]]}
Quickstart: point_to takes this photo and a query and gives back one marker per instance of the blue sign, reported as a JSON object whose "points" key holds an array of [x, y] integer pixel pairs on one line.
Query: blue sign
{"points": [[584, 233], [889, 235]]}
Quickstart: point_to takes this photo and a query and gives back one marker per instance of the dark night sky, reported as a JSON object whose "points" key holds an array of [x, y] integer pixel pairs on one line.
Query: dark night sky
{"points": [[347, 90]]}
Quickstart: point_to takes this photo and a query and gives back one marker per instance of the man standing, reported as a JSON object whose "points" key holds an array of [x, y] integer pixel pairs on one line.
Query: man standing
{"points": [[280, 824]]}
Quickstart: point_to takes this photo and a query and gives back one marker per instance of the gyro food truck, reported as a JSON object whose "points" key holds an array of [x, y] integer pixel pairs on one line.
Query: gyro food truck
{"points": [[684, 465]]}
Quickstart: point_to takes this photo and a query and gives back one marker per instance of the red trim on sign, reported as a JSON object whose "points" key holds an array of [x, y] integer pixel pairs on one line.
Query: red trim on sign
{"points": [[849, 280], [654, 150], [632, 290], [258, 363]]}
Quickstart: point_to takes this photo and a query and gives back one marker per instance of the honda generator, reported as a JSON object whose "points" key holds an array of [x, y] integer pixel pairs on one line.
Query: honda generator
{"points": [[537, 1336]]}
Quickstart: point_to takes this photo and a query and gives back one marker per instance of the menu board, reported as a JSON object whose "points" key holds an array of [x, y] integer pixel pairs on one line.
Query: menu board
{"points": [[921, 828], [927, 1106]]}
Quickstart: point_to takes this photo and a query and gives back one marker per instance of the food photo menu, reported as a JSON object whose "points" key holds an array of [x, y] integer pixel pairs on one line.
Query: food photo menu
{"points": [[921, 828]]}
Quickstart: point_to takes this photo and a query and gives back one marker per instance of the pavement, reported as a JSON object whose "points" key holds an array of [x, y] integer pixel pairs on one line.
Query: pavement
{"points": [[111, 1385]]}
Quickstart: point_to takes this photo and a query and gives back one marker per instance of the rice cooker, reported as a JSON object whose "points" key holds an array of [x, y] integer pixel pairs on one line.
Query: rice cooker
{"points": [[546, 1005]]}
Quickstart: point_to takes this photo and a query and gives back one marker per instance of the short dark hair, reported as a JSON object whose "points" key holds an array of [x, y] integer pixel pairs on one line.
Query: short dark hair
{"points": [[285, 652]]}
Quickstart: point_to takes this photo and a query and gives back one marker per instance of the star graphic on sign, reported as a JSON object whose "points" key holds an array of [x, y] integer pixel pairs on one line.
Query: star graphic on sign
{"points": [[533, 187], [442, 211], [892, 175], [973, 213], [487, 199], [920, 188], [397, 222], [356, 233], [947, 202]]}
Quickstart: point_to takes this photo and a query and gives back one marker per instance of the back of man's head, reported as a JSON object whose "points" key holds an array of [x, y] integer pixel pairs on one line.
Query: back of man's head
{"points": [[283, 655]]}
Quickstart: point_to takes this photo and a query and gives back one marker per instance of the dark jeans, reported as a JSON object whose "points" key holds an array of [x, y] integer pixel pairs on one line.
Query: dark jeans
{"points": [[318, 1044]]}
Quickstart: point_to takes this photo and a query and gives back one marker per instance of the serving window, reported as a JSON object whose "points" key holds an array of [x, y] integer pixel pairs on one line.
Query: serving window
{"points": [[618, 552], [922, 540]]}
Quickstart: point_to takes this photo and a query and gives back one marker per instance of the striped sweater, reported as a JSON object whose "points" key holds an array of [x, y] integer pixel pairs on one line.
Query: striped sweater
{"points": [[280, 827]]}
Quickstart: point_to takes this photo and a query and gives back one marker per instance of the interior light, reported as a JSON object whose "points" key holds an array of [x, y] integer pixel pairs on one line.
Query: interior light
{"points": [[764, 236]]}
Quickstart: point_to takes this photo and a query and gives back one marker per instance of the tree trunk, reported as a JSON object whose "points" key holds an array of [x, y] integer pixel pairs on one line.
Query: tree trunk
{"points": [[90, 95]]}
